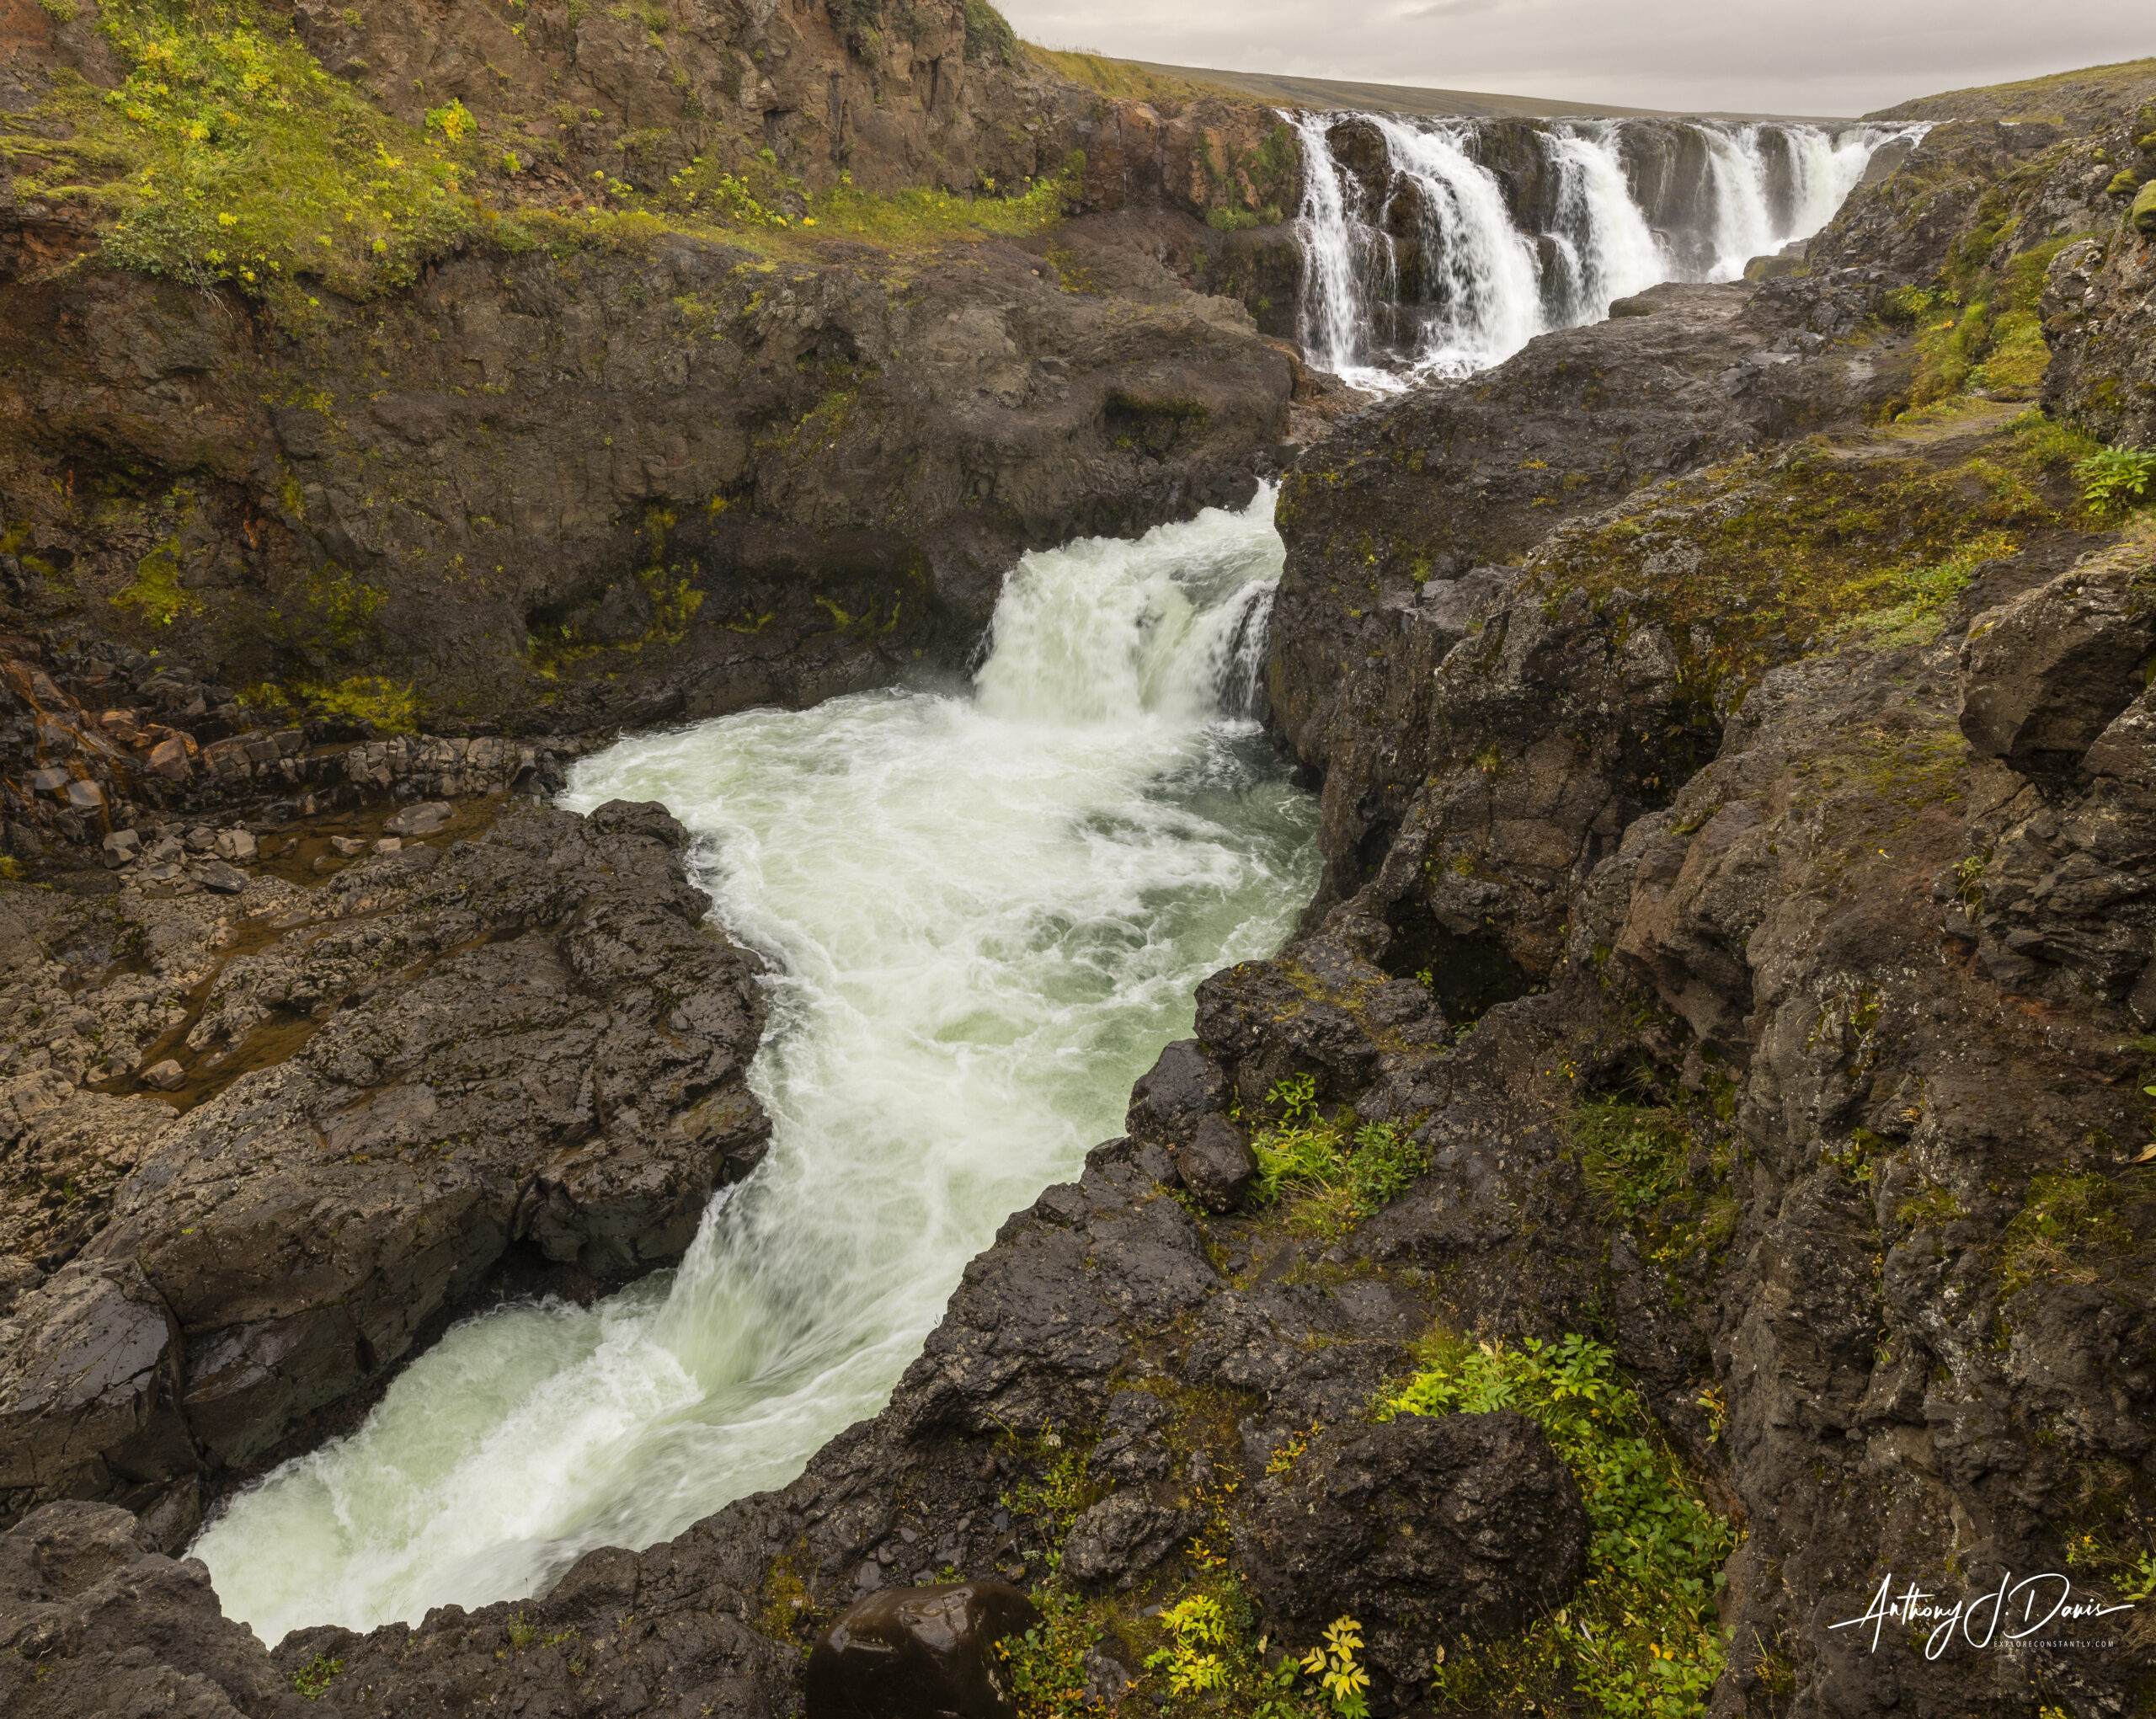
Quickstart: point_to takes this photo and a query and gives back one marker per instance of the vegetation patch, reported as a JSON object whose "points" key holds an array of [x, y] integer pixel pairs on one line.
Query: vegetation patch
{"points": [[1640, 1637], [1759, 560], [2066, 1228], [227, 154], [364, 699], [156, 593], [2115, 480], [1328, 1174], [1635, 1159]]}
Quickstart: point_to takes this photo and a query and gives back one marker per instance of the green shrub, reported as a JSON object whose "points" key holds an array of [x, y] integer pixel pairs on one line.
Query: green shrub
{"points": [[1331, 1178], [313, 1680], [2116, 479], [1226, 220], [1639, 1638]]}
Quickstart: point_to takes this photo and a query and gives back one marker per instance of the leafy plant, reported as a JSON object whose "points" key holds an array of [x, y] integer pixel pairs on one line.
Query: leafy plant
{"points": [[311, 1680], [1640, 1640], [2116, 479], [1047, 1662], [1339, 1673], [1333, 1179], [1191, 1659]]}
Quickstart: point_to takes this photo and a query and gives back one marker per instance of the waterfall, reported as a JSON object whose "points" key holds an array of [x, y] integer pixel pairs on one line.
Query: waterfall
{"points": [[1437, 248], [985, 916]]}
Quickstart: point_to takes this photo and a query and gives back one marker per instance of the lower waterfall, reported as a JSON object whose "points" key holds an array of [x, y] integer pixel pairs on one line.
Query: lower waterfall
{"points": [[985, 916], [1435, 247]]}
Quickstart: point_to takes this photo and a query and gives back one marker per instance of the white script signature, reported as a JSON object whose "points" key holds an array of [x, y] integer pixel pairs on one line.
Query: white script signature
{"points": [[1914, 1605]]}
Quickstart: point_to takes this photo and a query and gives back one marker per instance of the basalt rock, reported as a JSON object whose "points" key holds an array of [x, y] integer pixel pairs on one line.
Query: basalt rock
{"points": [[1218, 1166], [93, 1620], [1423, 1531], [919, 1653], [529, 1042]]}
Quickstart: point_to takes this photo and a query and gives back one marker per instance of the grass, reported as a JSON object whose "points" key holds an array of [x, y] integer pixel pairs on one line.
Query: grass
{"points": [[1636, 1160], [1329, 1178], [2067, 1226], [1640, 1639], [1123, 80], [227, 154]]}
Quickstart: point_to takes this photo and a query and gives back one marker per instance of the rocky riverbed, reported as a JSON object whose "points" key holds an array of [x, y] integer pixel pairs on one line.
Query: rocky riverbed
{"points": [[1736, 932]]}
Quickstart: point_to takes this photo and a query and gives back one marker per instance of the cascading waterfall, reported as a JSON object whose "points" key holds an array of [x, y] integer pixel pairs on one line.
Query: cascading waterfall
{"points": [[1438, 247], [985, 915]]}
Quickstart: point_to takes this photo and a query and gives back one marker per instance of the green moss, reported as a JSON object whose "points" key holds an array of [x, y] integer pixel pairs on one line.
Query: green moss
{"points": [[369, 698], [1808, 549], [1640, 1636], [156, 593], [227, 153]]}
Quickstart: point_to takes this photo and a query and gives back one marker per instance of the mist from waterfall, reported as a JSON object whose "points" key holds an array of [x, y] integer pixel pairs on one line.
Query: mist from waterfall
{"points": [[1437, 248]]}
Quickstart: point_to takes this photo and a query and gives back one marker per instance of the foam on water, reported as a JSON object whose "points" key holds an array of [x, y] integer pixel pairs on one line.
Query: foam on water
{"points": [[985, 915], [1423, 267]]}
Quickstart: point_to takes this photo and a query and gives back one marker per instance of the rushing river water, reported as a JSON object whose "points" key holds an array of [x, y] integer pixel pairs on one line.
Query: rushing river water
{"points": [[985, 916]]}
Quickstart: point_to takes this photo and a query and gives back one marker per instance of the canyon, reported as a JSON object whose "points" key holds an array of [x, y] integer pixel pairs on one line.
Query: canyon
{"points": [[593, 799]]}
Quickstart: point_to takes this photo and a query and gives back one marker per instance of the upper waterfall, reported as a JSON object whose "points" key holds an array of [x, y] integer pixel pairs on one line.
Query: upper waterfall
{"points": [[1435, 247]]}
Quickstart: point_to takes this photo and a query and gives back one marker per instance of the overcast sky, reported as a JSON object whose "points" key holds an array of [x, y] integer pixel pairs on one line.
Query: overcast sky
{"points": [[1789, 56]]}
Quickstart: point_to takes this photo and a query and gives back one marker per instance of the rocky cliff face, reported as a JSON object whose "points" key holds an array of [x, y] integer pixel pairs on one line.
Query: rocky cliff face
{"points": [[563, 484]]}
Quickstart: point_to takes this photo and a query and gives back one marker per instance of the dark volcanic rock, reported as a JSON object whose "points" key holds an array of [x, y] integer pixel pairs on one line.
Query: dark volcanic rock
{"points": [[94, 1621], [1423, 1530], [919, 1653], [1218, 1166], [531, 1040], [1122, 1537], [2047, 672]]}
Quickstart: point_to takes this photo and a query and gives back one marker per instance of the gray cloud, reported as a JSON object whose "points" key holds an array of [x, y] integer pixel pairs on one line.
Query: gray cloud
{"points": [[1790, 57]]}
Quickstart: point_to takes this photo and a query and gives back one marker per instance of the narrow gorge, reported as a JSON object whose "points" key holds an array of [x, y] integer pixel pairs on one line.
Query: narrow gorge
{"points": [[649, 659]]}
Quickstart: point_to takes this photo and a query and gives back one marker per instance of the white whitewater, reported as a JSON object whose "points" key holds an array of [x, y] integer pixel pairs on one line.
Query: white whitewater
{"points": [[1438, 275], [985, 915]]}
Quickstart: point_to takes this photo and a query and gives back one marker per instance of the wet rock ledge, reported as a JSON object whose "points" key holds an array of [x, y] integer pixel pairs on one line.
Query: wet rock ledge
{"points": [[434, 1064]]}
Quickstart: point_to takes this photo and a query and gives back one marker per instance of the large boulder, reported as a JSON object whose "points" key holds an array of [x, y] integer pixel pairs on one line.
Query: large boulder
{"points": [[2047, 672], [919, 1653], [1423, 1529]]}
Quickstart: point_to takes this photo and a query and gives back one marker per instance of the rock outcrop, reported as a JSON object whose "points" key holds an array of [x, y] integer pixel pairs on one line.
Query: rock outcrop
{"points": [[526, 1044]]}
